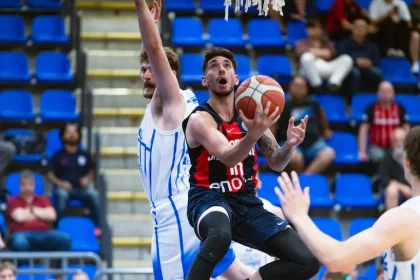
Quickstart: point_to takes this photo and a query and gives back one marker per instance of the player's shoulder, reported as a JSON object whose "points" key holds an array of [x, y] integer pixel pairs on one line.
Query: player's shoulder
{"points": [[201, 119], [400, 217]]}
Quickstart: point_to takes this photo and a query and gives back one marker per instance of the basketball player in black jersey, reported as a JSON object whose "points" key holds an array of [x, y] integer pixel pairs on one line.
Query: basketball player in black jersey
{"points": [[222, 203]]}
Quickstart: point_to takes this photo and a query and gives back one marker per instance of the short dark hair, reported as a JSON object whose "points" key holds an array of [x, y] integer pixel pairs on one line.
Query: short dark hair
{"points": [[412, 149], [171, 55], [64, 127], [215, 51], [313, 23]]}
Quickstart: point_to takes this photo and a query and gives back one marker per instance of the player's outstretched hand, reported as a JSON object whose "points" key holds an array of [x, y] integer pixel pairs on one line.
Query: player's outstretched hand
{"points": [[261, 121], [296, 134], [156, 9], [294, 201]]}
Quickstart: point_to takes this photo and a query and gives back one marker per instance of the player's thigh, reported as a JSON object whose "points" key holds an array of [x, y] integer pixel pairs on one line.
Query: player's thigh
{"points": [[258, 226]]}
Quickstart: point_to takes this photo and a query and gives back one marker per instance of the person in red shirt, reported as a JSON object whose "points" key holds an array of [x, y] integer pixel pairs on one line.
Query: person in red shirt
{"points": [[340, 18], [29, 218]]}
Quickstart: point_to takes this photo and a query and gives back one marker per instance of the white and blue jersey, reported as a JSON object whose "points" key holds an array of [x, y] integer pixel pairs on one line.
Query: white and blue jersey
{"points": [[164, 166], [406, 270]]}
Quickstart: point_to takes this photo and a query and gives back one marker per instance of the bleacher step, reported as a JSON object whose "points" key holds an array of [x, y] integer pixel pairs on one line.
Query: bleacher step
{"points": [[121, 117], [119, 136], [132, 248], [123, 179], [125, 225], [126, 202], [110, 23], [120, 61], [119, 98]]}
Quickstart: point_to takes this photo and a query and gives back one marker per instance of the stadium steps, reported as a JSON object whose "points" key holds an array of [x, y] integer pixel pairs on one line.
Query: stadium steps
{"points": [[123, 179], [128, 225], [120, 5]]}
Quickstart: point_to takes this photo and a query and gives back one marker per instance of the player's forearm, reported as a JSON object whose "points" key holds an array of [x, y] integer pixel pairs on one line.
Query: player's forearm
{"points": [[237, 152], [325, 248], [277, 157], [148, 30]]}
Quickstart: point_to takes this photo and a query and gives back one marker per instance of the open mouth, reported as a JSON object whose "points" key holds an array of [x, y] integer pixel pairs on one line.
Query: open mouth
{"points": [[149, 87], [222, 81]]}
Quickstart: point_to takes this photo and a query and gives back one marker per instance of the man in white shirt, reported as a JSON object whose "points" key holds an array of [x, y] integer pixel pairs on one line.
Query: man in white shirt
{"points": [[393, 19]]}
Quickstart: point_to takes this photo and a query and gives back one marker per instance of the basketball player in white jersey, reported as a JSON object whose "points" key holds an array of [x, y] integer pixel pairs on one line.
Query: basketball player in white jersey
{"points": [[163, 159], [397, 231]]}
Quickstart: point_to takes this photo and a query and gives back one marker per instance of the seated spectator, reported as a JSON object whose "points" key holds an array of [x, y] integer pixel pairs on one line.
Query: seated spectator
{"points": [[7, 271], [316, 56], [380, 120], [313, 147], [7, 151], [415, 35], [79, 276], [29, 218], [391, 172], [72, 172], [365, 56], [393, 20], [341, 16], [293, 10], [333, 276]]}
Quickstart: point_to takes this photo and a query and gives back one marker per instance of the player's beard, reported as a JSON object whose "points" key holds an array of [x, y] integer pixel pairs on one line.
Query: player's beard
{"points": [[223, 93]]}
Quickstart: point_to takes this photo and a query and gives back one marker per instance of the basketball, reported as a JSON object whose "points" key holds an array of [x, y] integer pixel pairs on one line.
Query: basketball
{"points": [[258, 89]]}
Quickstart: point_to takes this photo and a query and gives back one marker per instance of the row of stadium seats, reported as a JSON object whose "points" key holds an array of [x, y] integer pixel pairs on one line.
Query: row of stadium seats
{"points": [[335, 107], [395, 70], [53, 143], [351, 190], [45, 30], [188, 31], [368, 274], [332, 227], [55, 105], [32, 4], [51, 67], [89, 269]]}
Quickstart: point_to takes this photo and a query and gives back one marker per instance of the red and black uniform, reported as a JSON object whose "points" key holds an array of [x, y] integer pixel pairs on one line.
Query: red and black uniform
{"points": [[208, 172], [215, 184]]}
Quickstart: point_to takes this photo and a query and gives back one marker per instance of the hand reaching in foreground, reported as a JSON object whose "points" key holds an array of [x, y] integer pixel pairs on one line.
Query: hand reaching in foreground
{"points": [[294, 201]]}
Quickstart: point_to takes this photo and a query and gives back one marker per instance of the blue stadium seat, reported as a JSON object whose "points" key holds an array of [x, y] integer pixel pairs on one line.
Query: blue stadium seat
{"points": [[191, 64], [243, 69], [16, 105], [58, 105], [14, 67], [275, 66], [49, 30], [53, 67], [355, 190], [187, 31], [53, 143], [330, 227], [334, 107], [12, 29], [398, 71], [44, 4], [269, 182], [323, 6], [89, 269], [12, 184], [226, 33], [265, 33], [359, 103], [411, 103], [370, 272], [296, 30], [33, 277], [360, 224], [202, 96], [364, 4], [345, 146], [320, 191], [82, 234], [10, 3], [214, 6], [180, 5], [321, 273], [3, 225], [24, 134]]}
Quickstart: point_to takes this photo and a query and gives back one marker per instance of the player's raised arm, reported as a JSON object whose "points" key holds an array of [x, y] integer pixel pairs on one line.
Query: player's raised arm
{"points": [[278, 157], [166, 80], [387, 232], [202, 130]]}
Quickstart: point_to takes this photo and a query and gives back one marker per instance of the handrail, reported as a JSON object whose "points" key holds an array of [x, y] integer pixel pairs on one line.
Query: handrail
{"points": [[128, 271]]}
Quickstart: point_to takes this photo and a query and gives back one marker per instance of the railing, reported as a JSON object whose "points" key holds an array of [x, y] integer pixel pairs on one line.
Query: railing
{"points": [[147, 271]]}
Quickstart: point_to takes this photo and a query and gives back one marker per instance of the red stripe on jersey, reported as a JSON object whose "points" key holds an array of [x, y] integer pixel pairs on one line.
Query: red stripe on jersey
{"points": [[255, 167], [201, 175]]}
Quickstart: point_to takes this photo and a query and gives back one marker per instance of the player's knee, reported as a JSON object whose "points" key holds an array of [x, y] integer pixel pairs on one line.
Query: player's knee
{"points": [[216, 244], [310, 264]]}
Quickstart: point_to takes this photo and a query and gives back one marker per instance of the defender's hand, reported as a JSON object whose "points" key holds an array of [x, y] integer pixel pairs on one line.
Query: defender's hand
{"points": [[156, 9]]}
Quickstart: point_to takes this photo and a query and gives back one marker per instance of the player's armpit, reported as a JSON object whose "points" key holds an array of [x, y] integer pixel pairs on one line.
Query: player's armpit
{"points": [[277, 157]]}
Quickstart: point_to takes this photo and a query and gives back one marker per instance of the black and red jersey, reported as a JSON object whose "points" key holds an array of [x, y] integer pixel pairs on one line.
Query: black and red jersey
{"points": [[208, 172]]}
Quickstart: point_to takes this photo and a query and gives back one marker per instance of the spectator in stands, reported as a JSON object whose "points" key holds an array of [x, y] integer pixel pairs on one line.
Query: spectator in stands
{"points": [[80, 276], [365, 56], [29, 218], [72, 173], [415, 35], [313, 147], [341, 16], [333, 276], [316, 56], [391, 172], [7, 271], [393, 20], [294, 10], [380, 274], [7, 151], [380, 120]]}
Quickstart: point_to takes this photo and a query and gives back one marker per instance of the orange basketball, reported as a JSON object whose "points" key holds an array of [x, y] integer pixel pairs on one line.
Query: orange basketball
{"points": [[258, 89]]}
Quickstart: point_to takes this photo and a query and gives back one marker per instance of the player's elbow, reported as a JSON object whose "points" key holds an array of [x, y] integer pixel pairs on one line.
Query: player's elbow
{"points": [[334, 264]]}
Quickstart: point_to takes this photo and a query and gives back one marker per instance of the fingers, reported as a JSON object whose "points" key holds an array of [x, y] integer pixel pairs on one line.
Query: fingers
{"points": [[303, 122], [279, 193], [295, 180], [275, 113], [242, 116], [306, 191], [286, 184], [291, 122], [267, 108]]}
